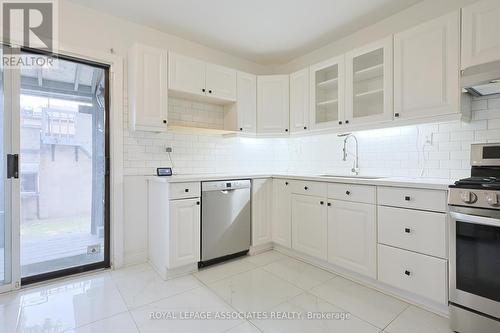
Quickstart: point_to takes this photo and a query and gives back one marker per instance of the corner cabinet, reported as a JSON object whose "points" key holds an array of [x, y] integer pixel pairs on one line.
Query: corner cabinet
{"points": [[273, 104], [327, 85], [426, 69], [282, 210], [369, 90], [480, 26], [262, 197], [147, 87], [299, 101]]}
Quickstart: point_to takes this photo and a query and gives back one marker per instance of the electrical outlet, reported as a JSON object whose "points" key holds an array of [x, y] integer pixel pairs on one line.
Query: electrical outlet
{"points": [[168, 149]]}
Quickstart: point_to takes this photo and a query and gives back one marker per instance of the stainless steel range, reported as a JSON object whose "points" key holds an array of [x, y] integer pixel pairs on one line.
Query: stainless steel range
{"points": [[475, 244]]}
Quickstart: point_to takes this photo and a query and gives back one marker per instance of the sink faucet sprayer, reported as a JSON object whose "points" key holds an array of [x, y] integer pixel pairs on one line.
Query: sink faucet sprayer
{"points": [[355, 167]]}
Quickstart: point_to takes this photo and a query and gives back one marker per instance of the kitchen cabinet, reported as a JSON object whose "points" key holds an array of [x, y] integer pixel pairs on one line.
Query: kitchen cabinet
{"points": [[147, 86], [273, 104], [299, 101], [480, 26], [368, 93], [262, 196], [221, 82], [242, 115], [189, 77], [184, 232], [186, 74], [352, 236], [426, 69], [282, 210], [309, 225], [327, 94], [173, 226]]}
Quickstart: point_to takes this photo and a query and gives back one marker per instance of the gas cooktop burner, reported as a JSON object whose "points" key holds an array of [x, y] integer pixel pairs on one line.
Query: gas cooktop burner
{"points": [[479, 182]]}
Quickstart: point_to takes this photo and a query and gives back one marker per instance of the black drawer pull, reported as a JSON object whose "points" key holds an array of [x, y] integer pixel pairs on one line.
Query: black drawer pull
{"points": [[407, 273], [286, 183], [348, 192], [186, 190], [198, 203], [321, 202], [407, 198], [203, 89], [329, 204], [340, 123], [306, 188], [407, 230]]}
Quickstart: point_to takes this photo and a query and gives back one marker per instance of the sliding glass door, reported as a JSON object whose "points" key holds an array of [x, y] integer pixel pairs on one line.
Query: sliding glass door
{"points": [[62, 161], [63, 131]]}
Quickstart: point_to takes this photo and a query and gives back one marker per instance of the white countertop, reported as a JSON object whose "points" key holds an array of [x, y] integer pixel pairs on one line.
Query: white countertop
{"points": [[424, 183]]}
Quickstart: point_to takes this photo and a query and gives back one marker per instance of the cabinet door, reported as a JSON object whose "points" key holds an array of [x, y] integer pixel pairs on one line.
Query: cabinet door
{"points": [[262, 196], [221, 82], [426, 69], [299, 101], [186, 74], [272, 104], [327, 94], [282, 210], [352, 236], [480, 26], [147, 86], [369, 83], [247, 102], [184, 232], [309, 225]]}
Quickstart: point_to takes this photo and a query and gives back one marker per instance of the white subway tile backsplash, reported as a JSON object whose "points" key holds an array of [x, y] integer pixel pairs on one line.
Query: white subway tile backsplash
{"points": [[400, 151]]}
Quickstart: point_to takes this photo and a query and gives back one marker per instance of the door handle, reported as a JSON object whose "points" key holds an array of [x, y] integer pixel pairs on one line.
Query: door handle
{"points": [[12, 166]]}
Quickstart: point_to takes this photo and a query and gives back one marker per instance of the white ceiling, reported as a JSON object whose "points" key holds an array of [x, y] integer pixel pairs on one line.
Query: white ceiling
{"points": [[264, 31]]}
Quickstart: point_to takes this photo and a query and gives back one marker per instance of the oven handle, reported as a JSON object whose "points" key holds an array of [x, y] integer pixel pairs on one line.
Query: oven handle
{"points": [[475, 219]]}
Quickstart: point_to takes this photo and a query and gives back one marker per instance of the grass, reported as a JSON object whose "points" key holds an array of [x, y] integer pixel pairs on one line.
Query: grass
{"points": [[55, 227]]}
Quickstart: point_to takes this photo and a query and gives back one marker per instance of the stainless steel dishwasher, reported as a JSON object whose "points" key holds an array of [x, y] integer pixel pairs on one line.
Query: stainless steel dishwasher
{"points": [[225, 220]]}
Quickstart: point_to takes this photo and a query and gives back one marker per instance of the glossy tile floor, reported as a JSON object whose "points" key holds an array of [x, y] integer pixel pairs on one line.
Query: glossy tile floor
{"points": [[135, 299]]}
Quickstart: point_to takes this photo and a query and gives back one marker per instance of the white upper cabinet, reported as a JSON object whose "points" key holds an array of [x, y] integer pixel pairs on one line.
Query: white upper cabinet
{"points": [[189, 77], [273, 104], [186, 75], [368, 94], [147, 84], [299, 101], [220, 82], [327, 94], [242, 115], [426, 69], [480, 27]]}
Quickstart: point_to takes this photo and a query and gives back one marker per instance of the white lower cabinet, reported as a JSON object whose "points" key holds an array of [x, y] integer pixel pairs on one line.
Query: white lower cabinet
{"points": [[282, 210], [419, 274], [309, 225], [184, 232], [262, 196], [352, 236]]}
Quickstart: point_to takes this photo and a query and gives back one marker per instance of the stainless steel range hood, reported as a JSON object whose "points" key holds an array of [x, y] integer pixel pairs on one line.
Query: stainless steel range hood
{"points": [[482, 80]]}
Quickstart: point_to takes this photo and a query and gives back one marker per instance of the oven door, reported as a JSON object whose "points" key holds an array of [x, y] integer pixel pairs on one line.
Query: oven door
{"points": [[475, 259]]}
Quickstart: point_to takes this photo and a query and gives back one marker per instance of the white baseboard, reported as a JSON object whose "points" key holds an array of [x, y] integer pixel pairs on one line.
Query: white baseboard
{"points": [[260, 248], [438, 308], [134, 258]]}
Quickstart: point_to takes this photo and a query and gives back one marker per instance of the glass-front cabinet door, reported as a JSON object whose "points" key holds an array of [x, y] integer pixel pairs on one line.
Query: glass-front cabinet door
{"points": [[327, 94], [369, 83]]}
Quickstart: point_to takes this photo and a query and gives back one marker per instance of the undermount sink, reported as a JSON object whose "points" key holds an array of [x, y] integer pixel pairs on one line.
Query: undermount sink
{"points": [[352, 176]]}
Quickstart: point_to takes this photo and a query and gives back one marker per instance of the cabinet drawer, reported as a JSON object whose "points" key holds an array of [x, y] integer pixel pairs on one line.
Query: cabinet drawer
{"points": [[355, 193], [184, 190], [416, 273], [434, 200], [414, 230], [309, 188]]}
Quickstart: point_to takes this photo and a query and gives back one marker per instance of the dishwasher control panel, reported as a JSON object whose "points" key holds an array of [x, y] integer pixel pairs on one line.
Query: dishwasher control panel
{"points": [[225, 185]]}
